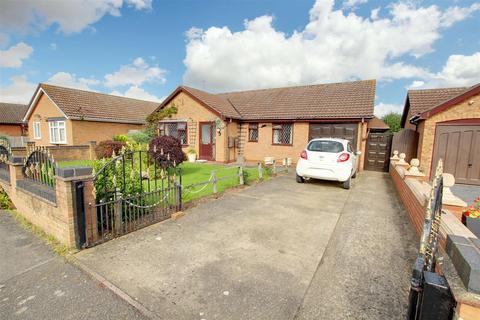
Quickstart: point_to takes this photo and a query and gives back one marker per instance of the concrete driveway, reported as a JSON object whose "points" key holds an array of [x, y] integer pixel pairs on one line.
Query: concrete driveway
{"points": [[278, 250]]}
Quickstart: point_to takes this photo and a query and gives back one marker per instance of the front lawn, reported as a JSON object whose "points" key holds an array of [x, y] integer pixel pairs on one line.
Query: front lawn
{"points": [[194, 173]]}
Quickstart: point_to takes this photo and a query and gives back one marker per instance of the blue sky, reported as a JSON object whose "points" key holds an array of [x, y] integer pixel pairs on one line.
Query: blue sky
{"points": [[144, 49]]}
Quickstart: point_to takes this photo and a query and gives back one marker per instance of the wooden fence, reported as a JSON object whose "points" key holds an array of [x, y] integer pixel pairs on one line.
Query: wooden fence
{"points": [[406, 141]]}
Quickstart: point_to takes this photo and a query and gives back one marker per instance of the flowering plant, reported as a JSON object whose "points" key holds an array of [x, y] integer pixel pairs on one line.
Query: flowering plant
{"points": [[473, 211]]}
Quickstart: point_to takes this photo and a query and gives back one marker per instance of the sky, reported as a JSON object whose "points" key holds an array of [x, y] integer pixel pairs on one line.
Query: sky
{"points": [[144, 49]]}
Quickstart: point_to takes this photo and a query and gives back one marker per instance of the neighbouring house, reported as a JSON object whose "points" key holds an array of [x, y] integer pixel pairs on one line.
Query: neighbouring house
{"points": [[65, 116], [448, 125], [251, 125], [11, 119]]}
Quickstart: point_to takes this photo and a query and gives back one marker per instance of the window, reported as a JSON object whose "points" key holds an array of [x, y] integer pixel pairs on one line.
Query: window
{"points": [[253, 132], [325, 146], [282, 133], [37, 133], [57, 132], [349, 147], [174, 129]]}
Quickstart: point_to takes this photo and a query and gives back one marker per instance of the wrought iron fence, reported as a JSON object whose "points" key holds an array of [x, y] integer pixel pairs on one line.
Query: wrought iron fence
{"points": [[40, 168], [132, 190]]}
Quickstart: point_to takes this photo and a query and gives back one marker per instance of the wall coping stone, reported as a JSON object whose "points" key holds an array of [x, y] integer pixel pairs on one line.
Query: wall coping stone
{"points": [[71, 172], [465, 256]]}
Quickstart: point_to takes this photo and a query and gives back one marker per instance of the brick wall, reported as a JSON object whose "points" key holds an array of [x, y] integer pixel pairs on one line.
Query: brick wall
{"points": [[62, 153], [55, 218]]}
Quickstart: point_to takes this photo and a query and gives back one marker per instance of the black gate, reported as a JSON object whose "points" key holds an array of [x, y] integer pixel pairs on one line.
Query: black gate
{"points": [[377, 156], [131, 191], [5, 154]]}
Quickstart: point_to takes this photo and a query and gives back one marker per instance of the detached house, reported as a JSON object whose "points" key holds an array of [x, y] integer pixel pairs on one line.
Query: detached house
{"points": [[251, 125], [448, 125], [65, 116]]}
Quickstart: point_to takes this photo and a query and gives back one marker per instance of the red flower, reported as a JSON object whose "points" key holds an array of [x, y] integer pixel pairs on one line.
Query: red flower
{"points": [[466, 213]]}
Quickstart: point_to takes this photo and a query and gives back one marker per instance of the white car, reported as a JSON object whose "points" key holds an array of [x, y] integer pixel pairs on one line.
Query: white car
{"points": [[328, 159]]}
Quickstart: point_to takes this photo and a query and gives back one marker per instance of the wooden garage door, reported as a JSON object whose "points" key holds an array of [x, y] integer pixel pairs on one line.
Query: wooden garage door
{"points": [[346, 131], [459, 147]]}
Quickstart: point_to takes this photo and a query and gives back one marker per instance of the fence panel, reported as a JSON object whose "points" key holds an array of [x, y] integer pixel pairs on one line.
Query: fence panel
{"points": [[406, 141]]}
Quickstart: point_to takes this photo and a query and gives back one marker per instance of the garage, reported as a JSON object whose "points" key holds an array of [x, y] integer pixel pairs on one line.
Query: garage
{"points": [[346, 131], [459, 147]]}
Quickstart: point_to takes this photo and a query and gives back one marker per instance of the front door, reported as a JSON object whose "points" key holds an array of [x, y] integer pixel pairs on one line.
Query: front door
{"points": [[207, 140]]}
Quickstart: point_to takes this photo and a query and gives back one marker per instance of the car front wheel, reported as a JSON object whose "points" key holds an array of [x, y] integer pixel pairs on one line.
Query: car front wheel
{"points": [[300, 179], [346, 184]]}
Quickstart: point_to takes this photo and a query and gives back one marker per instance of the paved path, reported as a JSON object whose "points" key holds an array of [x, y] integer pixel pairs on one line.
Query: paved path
{"points": [[37, 284], [279, 250]]}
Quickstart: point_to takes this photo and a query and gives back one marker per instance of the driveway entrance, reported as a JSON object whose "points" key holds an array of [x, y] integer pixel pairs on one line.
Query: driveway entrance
{"points": [[259, 253]]}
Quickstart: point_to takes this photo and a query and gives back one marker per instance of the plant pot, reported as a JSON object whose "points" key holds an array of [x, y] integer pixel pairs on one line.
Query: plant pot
{"points": [[473, 224], [191, 157]]}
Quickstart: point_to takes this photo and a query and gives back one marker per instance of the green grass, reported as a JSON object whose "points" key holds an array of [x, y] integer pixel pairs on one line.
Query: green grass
{"points": [[200, 172], [75, 163], [193, 173]]}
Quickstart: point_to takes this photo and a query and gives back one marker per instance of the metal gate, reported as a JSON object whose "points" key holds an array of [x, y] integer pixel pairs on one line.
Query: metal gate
{"points": [[131, 191], [5, 154], [378, 151]]}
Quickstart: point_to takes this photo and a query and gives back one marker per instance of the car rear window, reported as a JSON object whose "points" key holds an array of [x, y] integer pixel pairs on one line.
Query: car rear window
{"points": [[325, 146]]}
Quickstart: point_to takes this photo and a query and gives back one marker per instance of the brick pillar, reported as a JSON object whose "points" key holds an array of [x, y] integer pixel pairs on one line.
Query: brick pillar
{"points": [[64, 199], [92, 146], [15, 167], [90, 212]]}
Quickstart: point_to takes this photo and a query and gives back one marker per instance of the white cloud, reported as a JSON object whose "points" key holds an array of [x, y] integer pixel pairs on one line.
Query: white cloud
{"points": [[333, 46], [454, 14], [138, 93], [353, 3], [135, 74], [18, 91], [53, 46], [382, 109], [66, 79], [70, 16], [13, 56], [458, 71]]}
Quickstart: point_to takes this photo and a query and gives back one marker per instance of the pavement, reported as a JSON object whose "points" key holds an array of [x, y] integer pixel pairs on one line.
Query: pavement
{"points": [[35, 283], [466, 192], [277, 250]]}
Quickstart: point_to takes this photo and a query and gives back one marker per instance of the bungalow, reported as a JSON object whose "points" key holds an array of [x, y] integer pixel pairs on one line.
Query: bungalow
{"points": [[65, 116], [448, 125], [251, 125], [11, 119]]}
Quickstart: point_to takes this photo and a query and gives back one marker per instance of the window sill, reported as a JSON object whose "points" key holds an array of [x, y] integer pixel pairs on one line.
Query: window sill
{"points": [[282, 144], [255, 141]]}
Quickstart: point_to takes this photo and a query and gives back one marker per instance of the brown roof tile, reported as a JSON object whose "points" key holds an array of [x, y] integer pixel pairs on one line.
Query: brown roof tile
{"points": [[81, 104], [12, 112], [376, 123], [335, 100], [423, 100]]}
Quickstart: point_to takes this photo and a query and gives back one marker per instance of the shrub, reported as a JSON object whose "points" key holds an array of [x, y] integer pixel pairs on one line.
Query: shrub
{"points": [[120, 137], [166, 150], [106, 148], [5, 202], [139, 137]]}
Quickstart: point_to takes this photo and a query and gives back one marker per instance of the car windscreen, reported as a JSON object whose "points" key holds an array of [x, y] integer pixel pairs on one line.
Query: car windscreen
{"points": [[325, 146]]}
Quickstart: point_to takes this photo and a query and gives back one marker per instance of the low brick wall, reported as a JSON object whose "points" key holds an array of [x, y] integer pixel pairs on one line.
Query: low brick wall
{"points": [[55, 213], [457, 268]]}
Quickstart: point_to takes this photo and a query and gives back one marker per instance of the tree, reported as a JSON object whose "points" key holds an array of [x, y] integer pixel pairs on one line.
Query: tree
{"points": [[393, 120]]}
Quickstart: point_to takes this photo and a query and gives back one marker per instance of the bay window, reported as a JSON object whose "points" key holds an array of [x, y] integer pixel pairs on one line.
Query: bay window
{"points": [[174, 129], [57, 132], [282, 133]]}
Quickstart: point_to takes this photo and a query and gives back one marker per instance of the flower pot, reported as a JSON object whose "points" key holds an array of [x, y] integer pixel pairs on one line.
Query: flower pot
{"points": [[473, 224], [191, 157]]}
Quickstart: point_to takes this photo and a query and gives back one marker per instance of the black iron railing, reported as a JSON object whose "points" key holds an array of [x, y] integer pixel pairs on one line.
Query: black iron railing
{"points": [[40, 168]]}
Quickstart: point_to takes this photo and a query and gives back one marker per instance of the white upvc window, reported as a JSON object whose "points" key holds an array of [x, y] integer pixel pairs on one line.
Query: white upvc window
{"points": [[57, 132], [37, 133]]}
